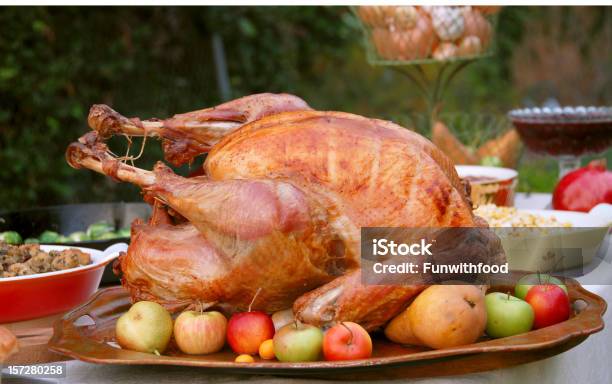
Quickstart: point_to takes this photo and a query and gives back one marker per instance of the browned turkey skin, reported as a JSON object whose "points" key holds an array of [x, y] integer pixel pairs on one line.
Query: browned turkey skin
{"points": [[188, 135], [279, 209]]}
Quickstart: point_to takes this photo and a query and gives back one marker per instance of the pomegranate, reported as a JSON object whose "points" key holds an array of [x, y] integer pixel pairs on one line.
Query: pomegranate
{"points": [[584, 188]]}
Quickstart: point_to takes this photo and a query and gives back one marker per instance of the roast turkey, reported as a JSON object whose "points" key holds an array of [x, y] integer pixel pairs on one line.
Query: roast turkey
{"points": [[275, 219]]}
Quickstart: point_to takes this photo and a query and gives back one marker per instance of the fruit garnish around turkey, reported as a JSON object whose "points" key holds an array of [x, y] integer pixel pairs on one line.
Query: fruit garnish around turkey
{"points": [[199, 333], [298, 342], [550, 304], [347, 341], [507, 315], [244, 358], [527, 282], [442, 316], [266, 350], [145, 327], [247, 330]]}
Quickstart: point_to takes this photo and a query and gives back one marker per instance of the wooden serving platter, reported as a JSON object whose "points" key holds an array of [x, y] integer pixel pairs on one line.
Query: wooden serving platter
{"points": [[87, 333]]}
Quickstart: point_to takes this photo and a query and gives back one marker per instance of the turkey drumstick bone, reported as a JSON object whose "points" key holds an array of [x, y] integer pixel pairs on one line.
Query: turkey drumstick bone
{"points": [[108, 122], [90, 152], [247, 209], [188, 135], [184, 138]]}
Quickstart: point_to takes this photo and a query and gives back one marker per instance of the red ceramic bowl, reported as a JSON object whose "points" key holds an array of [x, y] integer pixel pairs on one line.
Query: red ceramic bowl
{"points": [[32, 296]]}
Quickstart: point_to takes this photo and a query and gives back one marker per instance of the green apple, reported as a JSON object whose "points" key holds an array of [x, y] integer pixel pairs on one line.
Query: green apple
{"points": [[298, 342], [507, 315], [146, 327], [528, 281]]}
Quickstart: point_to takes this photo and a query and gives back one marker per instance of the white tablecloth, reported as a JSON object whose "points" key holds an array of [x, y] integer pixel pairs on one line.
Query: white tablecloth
{"points": [[590, 362]]}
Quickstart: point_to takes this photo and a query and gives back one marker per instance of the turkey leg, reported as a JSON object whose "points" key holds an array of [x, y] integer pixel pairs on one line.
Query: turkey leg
{"points": [[257, 228], [347, 299], [188, 135], [92, 153], [246, 209]]}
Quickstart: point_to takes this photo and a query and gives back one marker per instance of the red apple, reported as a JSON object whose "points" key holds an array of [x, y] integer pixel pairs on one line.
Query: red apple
{"points": [[526, 282], [247, 330], [198, 333], [347, 341], [550, 305]]}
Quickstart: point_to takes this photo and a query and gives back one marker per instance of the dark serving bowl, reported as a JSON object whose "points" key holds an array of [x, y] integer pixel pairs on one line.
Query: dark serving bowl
{"points": [[66, 219], [564, 131]]}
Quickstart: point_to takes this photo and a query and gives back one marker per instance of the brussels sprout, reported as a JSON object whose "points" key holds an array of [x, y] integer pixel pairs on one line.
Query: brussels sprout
{"points": [[96, 230], [62, 239], [491, 161], [11, 237], [124, 232], [108, 236], [48, 237], [31, 240], [78, 236]]}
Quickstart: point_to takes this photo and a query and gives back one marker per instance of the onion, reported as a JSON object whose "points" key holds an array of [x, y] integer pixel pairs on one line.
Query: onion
{"points": [[584, 188], [405, 17], [447, 22], [421, 39], [469, 46], [477, 25], [381, 38], [444, 51]]}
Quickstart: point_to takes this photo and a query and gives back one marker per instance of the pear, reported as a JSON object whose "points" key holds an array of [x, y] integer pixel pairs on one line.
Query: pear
{"points": [[146, 327]]}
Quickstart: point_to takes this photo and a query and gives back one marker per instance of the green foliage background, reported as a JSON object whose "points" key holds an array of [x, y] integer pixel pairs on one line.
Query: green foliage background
{"points": [[57, 61]]}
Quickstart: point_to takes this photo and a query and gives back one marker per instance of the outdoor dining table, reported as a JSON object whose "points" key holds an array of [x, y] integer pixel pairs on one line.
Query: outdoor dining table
{"points": [[589, 362]]}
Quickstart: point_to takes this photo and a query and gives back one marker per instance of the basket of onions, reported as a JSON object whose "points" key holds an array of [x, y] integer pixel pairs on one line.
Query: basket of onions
{"points": [[412, 35]]}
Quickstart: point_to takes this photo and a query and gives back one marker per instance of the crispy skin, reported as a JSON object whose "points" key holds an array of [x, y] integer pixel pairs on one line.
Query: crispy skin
{"points": [[366, 173], [243, 236], [178, 267], [346, 299], [173, 265], [182, 130], [188, 135]]}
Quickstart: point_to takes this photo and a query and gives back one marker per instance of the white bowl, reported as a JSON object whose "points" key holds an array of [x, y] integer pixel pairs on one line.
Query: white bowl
{"points": [[548, 249]]}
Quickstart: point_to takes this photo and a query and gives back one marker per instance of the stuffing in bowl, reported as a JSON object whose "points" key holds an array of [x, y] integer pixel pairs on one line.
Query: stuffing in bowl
{"points": [[43, 280]]}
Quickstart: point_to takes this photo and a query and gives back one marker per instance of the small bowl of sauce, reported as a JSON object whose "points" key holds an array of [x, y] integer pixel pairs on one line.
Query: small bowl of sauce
{"points": [[490, 185]]}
